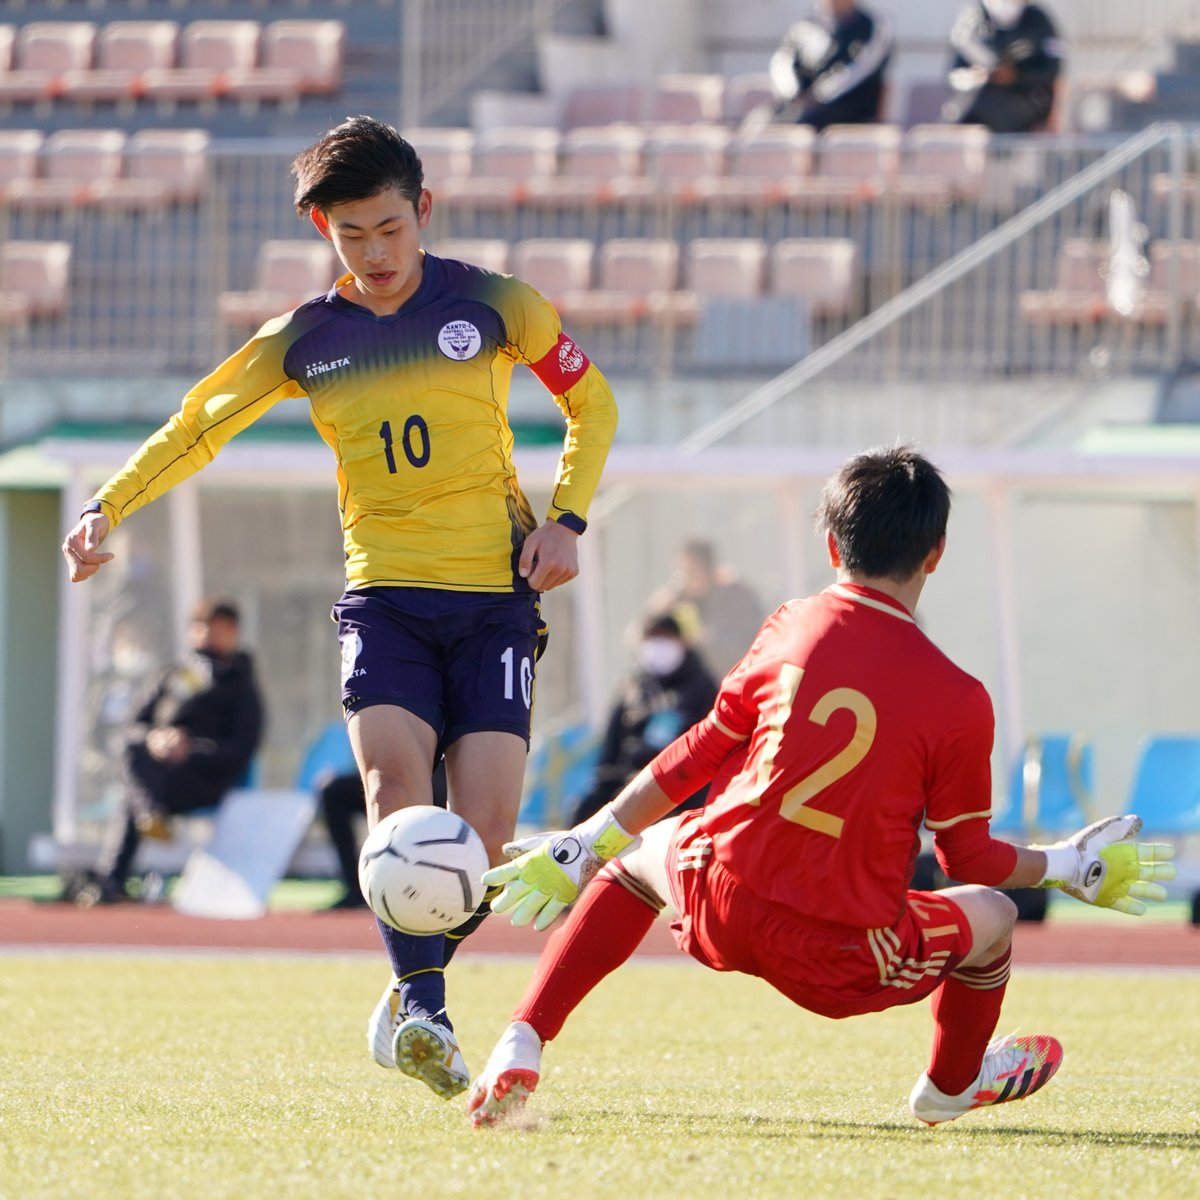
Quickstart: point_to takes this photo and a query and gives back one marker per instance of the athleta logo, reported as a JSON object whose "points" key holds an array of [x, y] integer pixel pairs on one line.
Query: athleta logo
{"points": [[570, 357], [459, 340], [323, 368]]}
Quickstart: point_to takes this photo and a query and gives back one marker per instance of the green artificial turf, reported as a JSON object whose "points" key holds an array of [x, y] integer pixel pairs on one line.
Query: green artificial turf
{"points": [[193, 1075]]}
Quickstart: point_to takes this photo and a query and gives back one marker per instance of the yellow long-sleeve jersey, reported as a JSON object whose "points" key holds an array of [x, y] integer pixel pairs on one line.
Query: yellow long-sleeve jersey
{"points": [[414, 408]]}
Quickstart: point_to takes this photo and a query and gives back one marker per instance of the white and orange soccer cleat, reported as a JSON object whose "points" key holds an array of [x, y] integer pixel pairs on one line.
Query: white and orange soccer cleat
{"points": [[1013, 1068], [508, 1080]]}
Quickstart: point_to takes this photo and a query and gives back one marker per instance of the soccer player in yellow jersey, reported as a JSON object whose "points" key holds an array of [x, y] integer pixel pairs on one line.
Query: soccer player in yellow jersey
{"points": [[405, 365]]}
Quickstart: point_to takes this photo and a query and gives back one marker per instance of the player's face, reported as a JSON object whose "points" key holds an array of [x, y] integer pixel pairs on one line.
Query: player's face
{"points": [[379, 242]]}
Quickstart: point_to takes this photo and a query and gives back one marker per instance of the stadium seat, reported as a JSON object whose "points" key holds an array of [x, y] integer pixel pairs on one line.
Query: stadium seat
{"points": [[289, 273], [821, 271], [310, 51], [19, 151], [44, 51], [34, 278], [680, 160], [489, 253], [636, 278], [596, 166], [1078, 296], [731, 268], [75, 162], [124, 50], [942, 163], [446, 154], [747, 94], [1050, 787], [162, 166], [208, 50], [507, 162], [866, 154], [554, 265], [685, 99], [1174, 279], [562, 764], [602, 104], [8, 38], [1166, 785], [764, 167]]}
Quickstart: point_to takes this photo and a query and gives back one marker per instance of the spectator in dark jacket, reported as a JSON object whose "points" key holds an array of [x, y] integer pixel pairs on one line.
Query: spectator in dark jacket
{"points": [[1007, 59], [830, 68], [668, 692], [191, 741]]}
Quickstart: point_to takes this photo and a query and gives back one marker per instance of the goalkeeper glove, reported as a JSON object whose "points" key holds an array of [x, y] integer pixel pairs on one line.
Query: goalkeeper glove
{"points": [[554, 868], [1101, 865]]}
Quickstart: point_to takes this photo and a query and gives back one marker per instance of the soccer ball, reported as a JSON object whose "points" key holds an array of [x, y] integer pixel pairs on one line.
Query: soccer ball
{"points": [[420, 869]]}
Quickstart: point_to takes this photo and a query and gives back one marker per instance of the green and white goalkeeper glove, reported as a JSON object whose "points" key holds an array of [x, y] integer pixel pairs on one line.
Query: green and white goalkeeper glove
{"points": [[551, 869], [1102, 865]]}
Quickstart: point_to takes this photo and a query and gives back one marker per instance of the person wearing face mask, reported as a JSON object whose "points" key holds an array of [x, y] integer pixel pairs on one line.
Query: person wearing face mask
{"points": [[829, 69], [669, 690], [1007, 56]]}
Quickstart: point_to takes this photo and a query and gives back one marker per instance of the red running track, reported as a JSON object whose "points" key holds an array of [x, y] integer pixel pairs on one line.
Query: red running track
{"points": [[1097, 942]]}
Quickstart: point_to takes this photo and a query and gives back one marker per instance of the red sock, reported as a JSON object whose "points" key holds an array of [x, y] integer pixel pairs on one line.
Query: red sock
{"points": [[966, 1010], [602, 930]]}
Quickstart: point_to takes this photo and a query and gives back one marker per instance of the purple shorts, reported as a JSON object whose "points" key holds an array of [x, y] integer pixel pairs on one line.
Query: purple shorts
{"points": [[461, 661]]}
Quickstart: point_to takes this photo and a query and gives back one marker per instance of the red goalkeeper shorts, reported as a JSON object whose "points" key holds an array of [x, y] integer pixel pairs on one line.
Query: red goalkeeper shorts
{"points": [[833, 970]]}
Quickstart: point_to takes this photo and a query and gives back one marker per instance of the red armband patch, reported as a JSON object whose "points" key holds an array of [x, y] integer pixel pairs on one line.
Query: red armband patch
{"points": [[563, 367]]}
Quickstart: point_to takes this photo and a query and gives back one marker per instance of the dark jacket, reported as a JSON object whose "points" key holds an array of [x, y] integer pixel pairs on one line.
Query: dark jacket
{"points": [[217, 704], [650, 713]]}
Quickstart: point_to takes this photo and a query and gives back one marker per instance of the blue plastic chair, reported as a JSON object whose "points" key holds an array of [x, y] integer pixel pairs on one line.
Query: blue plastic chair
{"points": [[328, 754], [1050, 788], [560, 771], [1166, 784]]}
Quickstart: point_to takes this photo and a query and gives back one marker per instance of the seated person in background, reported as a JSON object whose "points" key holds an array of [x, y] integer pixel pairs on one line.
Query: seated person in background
{"points": [[829, 69], [718, 614], [191, 741], [668, 692], [1007, 58]]}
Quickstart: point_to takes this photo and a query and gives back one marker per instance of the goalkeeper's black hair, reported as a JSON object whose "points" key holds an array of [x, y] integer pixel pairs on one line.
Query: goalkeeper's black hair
{"points": [[886, 509], [358, 159]]}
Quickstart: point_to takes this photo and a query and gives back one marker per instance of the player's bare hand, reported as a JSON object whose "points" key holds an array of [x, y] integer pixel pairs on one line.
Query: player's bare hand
{"points": [[168, 744], [82, 547], [550, 556]]}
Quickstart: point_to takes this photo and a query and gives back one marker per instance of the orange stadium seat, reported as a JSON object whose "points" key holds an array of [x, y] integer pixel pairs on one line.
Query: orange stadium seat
{"points": [[208, 51], [44, 52], [124, 50], [19, 151], [821, 271], [74, 163], [943, 163], [289, 273], [489, 253], [602, 104], [554, 265], [34, 280], [685, 99], [162, 166]]}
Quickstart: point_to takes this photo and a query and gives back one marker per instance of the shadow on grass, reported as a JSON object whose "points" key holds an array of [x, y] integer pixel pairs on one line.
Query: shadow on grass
{"points": [[799, 1128]]}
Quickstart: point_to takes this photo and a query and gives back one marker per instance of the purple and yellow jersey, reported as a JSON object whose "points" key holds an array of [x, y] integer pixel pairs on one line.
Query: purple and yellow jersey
{"points": [[414, 408]]}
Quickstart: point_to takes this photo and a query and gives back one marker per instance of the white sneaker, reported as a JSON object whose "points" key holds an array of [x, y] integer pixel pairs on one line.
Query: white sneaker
{"points": [[381, 1028], [1013, 1068], [429, 1052], [509, 1078]]}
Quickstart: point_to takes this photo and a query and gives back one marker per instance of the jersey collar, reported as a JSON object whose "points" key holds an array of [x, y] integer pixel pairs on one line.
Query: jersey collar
{"points": [[871, 599]]}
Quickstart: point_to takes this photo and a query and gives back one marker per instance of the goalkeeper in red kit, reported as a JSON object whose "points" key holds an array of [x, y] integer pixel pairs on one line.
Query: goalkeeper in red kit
{"points": [[841, 731]]}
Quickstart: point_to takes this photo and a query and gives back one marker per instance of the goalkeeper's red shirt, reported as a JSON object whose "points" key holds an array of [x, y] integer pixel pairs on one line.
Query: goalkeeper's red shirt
{"points": [[842, 729]]}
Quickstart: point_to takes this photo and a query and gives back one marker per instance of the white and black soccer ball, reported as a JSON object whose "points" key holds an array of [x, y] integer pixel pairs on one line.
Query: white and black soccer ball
{"points": [[420, 870]]}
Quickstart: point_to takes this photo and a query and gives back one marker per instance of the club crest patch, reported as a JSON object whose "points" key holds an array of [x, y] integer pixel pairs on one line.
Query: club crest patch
{"points": [[570, 358], [459, 340]]}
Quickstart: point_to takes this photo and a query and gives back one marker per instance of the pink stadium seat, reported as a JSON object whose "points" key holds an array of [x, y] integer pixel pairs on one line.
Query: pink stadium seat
{"points": [[821, 271], [489, 253], [33, 279], [45, 50], [943, 163], [602, 104], [209, 50], [8, 37], [854, 163], [446, 154], [124, 50], [727, 267], [289, 273], [636, 278], [746, 94], [765, 167], [1174, 279], [74, 163], [162, 166], [507, 162], [681, 159], [596, 166], [685, 99], [554, 265], [1078, 297], [313, 49], [19, 150]]}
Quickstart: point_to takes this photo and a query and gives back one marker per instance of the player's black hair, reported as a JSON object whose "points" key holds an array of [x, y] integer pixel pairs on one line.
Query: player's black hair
{"points": [[354, 161], [887, 509], [700, 550], [660, 624], [213, 608]]}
